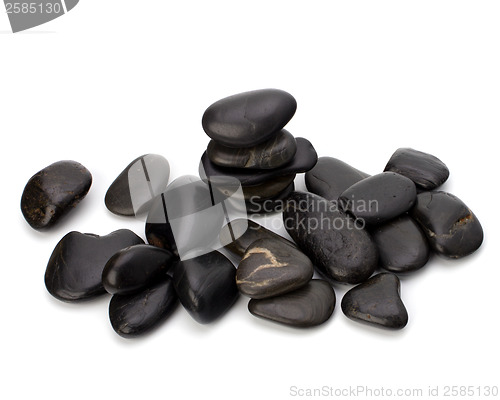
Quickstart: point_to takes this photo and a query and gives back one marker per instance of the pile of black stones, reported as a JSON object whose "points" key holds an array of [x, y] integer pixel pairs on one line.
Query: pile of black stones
{"points": [[345, 228]]}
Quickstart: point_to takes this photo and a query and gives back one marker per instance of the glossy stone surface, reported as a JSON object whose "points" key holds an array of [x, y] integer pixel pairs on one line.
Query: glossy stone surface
{"points": [[339, 249], [206, 286], [246, 232], [450, 226], [135, 314], [311, 305], [330, 177], [270, 268], [133, 191], [74, 270], [428, 172], [53, 192], [273, 153], [188, 204], [377, 302], [305, 158], [132, 269], [402, 246], [379, 198], [275, 204], [249, 118]]}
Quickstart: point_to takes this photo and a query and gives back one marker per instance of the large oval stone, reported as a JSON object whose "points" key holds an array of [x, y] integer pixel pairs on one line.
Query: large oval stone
{"points": [[311, 305], [337, 246], [273, 153], [133, 191], [74, 270], [451, 227], [402, 246], [239, 234], [53, 192], [135, 314], [135, 267], [377, 302], [249, 118], [330, 177], [379, 198], [206, 286], [270, 268], [305, 158], [428, 172]]}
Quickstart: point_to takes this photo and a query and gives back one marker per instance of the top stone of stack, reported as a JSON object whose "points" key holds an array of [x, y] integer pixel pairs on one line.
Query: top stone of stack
{"points": [[248, 118]]}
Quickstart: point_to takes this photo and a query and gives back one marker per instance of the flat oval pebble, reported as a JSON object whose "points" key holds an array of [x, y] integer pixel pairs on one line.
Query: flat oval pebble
{"points": [[272, 267], [450, 226], [135, 314], [305, 158], [377, 302], [136, 267], [339, 248], [133, 191], [249, 118], [311, 305], [428, 172], [74, 270], [379, 198], [273, 153], [330, 177], [402, 246], [206, 286], [187, 201], [239, 234], [53, 192]]}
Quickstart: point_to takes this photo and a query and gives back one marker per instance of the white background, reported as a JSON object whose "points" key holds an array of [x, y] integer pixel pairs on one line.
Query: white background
{"points": [[116, 79]]}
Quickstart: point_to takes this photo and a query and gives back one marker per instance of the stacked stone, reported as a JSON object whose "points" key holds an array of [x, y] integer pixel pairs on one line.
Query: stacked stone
{"points": [[249, 144]]}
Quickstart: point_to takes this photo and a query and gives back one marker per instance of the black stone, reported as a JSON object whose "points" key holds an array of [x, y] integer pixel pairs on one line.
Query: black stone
{"points": [[451, 227], [74, 270], [330, 177], [305, 158], [206, 286], [184, 202], [338, 247], [239, 234], [311, 305], [402, 246], [270, 268], [133, 191], [249, 118], [132, 269], [275, 204], [54, 191], [377, 302], [273, 153], [262, 191], [428, 172], [135, 314], [379, 198]]}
